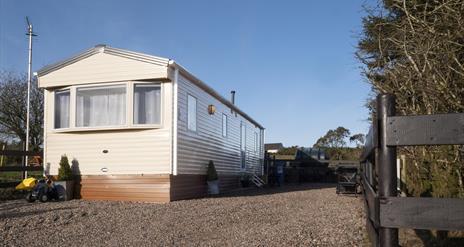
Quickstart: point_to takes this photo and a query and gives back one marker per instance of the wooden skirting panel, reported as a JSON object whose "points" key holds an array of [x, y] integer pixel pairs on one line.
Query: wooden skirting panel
{"points": [[188, 186], [229, 182], [148, 188], [143, 188]]}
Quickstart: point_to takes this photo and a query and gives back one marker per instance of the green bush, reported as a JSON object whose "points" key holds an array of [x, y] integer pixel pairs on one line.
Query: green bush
{"points": [[64, 172], [211, 174], [245, 176]]}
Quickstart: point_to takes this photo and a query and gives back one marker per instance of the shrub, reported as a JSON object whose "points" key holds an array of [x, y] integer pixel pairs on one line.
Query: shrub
{"points": [[65, 172], [211, 174], [245, 177]]}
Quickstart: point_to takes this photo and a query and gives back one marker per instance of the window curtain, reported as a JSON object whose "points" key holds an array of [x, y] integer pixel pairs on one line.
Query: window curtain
{"points": [[62, 109], [147, 104], [100, 106]]}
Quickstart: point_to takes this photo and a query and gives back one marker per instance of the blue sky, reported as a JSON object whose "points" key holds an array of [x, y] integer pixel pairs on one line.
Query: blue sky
{"points": [[291, 62]]}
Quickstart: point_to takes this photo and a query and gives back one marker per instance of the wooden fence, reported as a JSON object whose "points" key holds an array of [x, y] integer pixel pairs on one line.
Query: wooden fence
{"points": [[19, 167], [385, 211]]}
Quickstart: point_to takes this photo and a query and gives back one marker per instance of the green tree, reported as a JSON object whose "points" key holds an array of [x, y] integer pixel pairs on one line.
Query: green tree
{"points": [[334, 142], [415, 50], [333, 138]]}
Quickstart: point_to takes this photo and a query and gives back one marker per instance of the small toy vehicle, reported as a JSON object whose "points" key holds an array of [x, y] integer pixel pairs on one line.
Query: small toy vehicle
{"points": [[27, 184], [43, 191]]}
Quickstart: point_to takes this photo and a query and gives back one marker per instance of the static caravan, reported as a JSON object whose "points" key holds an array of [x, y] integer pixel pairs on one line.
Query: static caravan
{"points": [[142, 128]]}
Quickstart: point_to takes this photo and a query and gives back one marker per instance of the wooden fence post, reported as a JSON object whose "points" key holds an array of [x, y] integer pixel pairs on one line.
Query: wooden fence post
{"points": [[386, 163], [1, 156]]}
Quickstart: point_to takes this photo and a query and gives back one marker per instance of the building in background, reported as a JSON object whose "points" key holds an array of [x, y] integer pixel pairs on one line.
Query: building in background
{"points": [[273, 147]]}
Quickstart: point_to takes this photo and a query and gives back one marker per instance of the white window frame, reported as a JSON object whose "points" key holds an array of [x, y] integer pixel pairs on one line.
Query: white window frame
{"points": [[69, 110], [196, 113], [256, 141], [226, 129], [243, 132], [131, 118], [122, 85], [243, 152], [129, 124]]}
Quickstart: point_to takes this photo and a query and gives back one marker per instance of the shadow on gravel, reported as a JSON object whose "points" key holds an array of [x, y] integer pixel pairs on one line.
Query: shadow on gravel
{"points": [[276, 190], [14, 204], [10, 215]]}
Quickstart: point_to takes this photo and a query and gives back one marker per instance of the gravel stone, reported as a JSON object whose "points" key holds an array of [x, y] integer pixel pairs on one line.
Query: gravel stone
{"points": [[299, 215]]}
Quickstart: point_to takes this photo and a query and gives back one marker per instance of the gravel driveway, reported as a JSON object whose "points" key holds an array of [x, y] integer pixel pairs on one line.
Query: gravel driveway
{"points": [[303, 215]]}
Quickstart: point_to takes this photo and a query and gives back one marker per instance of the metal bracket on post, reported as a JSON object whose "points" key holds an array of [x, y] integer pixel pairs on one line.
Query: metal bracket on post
{"points": [[386, 163]]}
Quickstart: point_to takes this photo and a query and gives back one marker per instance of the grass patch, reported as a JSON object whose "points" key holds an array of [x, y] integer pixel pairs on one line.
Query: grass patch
{"points": [[17, 176]]}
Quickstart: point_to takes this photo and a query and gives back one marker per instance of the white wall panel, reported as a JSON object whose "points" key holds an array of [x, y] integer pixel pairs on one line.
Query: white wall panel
{"points": [[195, 149], [102, 67]]}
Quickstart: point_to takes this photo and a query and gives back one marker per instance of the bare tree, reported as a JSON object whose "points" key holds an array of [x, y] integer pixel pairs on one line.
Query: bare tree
{"points": [[415, 50], [13, 98]]}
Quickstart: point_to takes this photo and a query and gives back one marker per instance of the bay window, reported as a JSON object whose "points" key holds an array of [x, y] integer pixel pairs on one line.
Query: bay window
{"points": [[62, 109], [147, 104], [108, 106], [101, 106]]}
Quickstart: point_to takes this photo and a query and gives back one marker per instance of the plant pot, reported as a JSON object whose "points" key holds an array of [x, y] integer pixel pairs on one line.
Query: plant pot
{"points": [[65, 189], [213, 187]]}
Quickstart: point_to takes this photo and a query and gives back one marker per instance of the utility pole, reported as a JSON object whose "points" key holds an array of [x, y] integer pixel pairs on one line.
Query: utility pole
{"points": [[29, 33]]}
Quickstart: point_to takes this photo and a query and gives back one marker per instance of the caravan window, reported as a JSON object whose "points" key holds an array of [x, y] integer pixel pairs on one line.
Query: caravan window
{"points": [[101, 106], [256, 142], [191, 113], [224, 125], [62, 109], [147, 104], [243, 137]]}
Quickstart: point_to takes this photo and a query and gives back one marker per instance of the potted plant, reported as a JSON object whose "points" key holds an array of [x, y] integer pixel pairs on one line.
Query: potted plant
{"points": [[245, 180], [65, 183], [212, 179]]}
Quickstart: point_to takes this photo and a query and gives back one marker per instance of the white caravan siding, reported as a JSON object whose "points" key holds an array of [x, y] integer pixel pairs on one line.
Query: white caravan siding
{"points": [[130, 151], [102, 67], [195, 149]]}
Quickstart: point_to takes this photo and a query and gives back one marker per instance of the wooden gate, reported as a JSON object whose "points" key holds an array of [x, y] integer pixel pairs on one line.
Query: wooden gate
{"points": [[385, 211]]}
